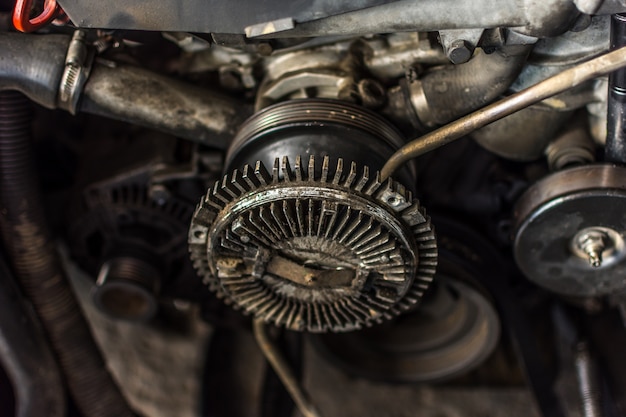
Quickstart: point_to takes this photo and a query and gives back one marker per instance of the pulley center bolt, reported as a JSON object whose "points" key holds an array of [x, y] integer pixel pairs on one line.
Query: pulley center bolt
{"points": [[593, 243]]}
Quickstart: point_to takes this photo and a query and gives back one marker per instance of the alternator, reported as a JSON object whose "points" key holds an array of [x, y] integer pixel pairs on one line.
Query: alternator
{"points": [[320, 246]]}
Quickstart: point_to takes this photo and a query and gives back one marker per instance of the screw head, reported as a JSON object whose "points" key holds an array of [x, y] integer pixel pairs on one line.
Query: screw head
{"points": [[460, 51]]}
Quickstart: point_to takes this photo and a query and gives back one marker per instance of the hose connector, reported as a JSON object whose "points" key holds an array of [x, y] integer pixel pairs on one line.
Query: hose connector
{"points": [[78, 62]]}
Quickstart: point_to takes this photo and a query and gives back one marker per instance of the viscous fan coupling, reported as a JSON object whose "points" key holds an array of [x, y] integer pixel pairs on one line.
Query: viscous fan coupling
{"points": [[303, 232]]}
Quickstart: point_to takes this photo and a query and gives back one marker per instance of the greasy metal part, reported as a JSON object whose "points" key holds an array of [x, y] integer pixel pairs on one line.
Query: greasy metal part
{"points": [[141, 97], [325, 219], [591, 244], [600, 6], [317, 127], [130, 237], [615, 147], [77, 67], [126, 289], [573, 46], [572, 147], [602, 65], [524, 135], [283, 370], [586, 374], [449, 92], [389, 56], [563, 241], [476, 254], [455, 329], [26, 356], [459, 44]]}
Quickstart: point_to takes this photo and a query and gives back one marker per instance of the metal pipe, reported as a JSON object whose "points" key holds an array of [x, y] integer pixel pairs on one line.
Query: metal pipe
{"points": [[599, 66], [587, 381], [615, 149], [452, 91], [283, 370]]}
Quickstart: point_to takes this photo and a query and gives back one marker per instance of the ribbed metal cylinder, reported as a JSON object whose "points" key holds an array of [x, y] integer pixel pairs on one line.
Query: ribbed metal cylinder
{"points": [[126, 289]]}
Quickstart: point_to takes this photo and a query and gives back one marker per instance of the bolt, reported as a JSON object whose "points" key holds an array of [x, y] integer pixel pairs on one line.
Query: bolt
{"points": [[593, 244], [160, 194], [460, 51]]}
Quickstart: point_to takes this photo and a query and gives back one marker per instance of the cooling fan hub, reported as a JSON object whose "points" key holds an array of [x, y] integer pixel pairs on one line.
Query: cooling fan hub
{"points": [[315, 243], [330, 252]]}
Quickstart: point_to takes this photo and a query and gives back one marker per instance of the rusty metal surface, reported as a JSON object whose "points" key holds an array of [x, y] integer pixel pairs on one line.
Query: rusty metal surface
{"points": [[373, 228]]}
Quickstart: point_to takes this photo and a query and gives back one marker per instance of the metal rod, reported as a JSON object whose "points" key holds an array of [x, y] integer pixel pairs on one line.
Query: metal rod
{"points": [[587, 381], [596, 67], [283, 370], [615, 150]]}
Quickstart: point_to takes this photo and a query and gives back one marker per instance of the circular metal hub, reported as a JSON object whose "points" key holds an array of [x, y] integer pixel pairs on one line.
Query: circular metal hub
{"points": [[570, 231], [319, 247], [453, 331]]}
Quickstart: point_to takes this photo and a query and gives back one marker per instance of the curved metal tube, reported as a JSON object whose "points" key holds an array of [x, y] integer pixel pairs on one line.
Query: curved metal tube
{"points": [[283, 370], [556, 84], [453, 91]]}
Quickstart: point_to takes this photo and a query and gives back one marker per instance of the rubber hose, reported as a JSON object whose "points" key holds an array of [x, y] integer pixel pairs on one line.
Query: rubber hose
{"points": [[33, 65], [456, 90], [38, 268]]}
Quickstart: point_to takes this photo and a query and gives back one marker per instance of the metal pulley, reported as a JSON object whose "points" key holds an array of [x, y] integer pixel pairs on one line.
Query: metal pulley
{"points": [[569, 233]]}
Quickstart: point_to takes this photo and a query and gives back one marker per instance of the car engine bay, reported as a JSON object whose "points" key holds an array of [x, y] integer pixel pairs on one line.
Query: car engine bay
{"points": [[283, 208]]}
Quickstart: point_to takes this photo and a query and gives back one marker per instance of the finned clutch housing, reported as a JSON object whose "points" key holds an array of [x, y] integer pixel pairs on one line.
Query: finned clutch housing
{"points": [[314, 243]]}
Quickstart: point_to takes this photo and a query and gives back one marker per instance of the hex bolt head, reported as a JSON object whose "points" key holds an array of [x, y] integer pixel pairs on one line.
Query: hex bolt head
{"points": [[460, 51]]}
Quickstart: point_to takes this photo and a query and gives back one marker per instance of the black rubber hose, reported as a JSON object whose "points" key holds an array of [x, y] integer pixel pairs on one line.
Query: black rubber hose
{"points": [[38, 268], [141, 97], [615, 150], [33, 65], [456, 90]]}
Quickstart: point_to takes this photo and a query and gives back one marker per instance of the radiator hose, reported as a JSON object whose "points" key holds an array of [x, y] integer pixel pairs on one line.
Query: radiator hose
{"points": [[37, 265]]}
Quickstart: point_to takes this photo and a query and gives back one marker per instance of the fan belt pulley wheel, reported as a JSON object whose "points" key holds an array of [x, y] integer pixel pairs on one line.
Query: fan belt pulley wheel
{"points": [[570, 230]]}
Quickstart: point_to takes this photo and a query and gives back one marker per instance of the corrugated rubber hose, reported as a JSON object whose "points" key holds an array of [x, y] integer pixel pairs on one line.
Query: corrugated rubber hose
{"points": [[39, 271]]}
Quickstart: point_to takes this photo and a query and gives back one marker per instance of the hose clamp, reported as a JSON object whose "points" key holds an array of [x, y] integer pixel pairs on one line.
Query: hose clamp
{"points": [[78, 63]]}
